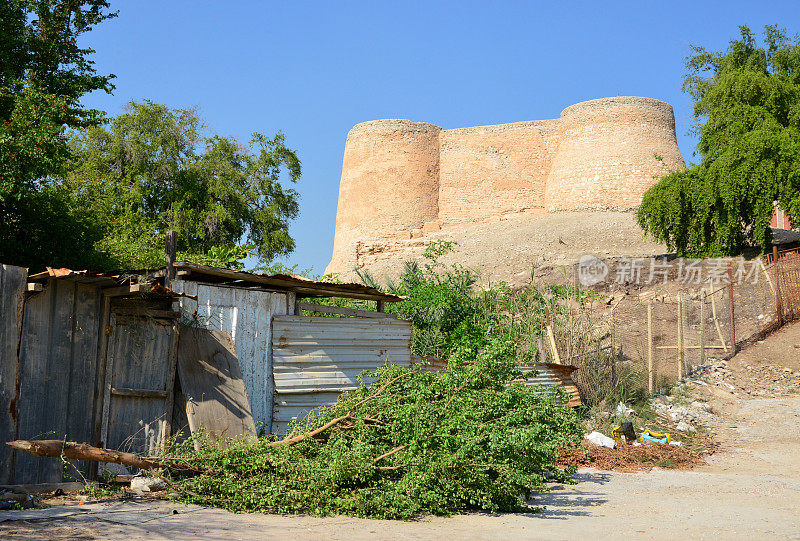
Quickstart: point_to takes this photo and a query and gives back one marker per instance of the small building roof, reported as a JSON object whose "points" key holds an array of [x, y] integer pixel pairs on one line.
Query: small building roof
{"points": [[186, 270], [302, 286]]}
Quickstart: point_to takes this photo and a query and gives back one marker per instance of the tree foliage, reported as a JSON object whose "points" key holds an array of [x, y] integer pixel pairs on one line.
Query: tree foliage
{"points": [[153, 168], [747, 106], [43, 74]]}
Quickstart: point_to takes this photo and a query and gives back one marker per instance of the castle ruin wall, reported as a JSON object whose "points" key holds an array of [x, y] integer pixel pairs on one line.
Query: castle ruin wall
{"points": [[402, 179]]}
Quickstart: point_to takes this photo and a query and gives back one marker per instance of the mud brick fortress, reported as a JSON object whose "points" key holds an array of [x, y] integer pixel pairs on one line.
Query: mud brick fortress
{"points": [[402, 181]]}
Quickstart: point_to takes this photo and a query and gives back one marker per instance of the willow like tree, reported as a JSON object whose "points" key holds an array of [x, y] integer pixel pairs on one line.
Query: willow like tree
{"points": [[747, 111]]}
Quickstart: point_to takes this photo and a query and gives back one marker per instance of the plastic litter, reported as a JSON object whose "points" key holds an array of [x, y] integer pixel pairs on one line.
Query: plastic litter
{"points": [[648, 436], [624, 430], [623, 410], [600, 439]]}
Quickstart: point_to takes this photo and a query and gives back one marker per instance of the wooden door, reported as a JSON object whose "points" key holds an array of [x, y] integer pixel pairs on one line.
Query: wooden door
{"points": [[140, 374]]}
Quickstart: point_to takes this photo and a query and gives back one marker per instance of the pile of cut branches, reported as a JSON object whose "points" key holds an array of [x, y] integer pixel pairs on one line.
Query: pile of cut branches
{"points": [[412, 443]]}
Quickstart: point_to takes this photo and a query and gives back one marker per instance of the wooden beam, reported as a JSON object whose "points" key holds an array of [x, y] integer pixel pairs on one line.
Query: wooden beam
{"points": [[138, 393], [125, 290], [43, 488], [342, 311], [148, 312], [170, 249], [553, 348], [650, 383]]}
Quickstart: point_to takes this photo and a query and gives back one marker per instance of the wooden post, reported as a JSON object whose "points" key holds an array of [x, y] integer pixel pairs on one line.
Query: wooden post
{"points": [[380, 306], [681, 350], [703, 328], [650, 383], [170, 249], [716, 322], [730, 304], [778, 295], [553, 348]]}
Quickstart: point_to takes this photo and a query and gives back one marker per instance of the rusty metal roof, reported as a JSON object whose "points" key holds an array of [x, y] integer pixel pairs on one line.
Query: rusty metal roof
{"points": [[300, 285], [100, 279]]}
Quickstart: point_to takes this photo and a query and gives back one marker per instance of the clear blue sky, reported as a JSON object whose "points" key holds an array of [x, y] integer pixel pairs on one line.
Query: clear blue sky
{"points": [[313, 70]]}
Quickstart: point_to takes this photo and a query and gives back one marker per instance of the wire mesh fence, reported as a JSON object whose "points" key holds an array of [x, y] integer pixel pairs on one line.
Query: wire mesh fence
{"points": [[672, 329]]}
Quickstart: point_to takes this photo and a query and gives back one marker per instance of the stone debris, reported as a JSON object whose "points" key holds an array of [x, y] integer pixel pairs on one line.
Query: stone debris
{"points": [[694, 413], [754, 380]]}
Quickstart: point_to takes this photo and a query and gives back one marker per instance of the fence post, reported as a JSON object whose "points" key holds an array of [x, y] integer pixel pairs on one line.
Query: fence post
{"points": [[703, 328], [553, 348], [170, 249], [650, 346], [730, 303], [681, 350], [778, 294]]}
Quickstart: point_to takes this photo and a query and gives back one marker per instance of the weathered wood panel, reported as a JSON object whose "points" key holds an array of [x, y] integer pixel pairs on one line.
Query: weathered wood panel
{"points": [[58, 368], [211, 381], [247, 315], [140, 356], [12, 294], [317, 358]]}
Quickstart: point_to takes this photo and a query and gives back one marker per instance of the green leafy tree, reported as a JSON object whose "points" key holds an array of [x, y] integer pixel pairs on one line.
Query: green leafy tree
{"points": [[153, 169], [747, 106], [43, 74]]}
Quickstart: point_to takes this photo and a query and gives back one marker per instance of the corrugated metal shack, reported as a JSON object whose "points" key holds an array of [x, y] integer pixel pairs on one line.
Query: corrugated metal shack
{"points": [[326, 353], [94, 357]]}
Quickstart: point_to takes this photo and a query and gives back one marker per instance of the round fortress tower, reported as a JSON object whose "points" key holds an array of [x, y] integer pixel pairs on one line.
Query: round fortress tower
{"points": [[390, 183], [607, 156]]}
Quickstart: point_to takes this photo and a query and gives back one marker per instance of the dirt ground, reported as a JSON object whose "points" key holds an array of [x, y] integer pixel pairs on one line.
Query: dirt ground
{"points": [[747, 490]]}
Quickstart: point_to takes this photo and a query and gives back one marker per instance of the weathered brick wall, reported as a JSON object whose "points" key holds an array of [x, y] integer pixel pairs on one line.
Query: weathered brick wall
{"points": [[606, 159], [390, 183], [402, 179], [492, 170]]}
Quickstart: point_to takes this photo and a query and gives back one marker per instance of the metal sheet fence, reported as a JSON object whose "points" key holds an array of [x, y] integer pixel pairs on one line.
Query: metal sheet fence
{"points": [[666, 335], [246, 314], [317, 358]]}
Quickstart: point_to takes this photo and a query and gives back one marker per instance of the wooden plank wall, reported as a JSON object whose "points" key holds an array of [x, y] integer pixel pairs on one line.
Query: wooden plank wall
{"points": [[58, 359], [247, 315], [317, 358], [12, 295]]}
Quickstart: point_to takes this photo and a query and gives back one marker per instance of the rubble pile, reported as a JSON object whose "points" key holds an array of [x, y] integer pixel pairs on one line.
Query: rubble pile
{"points": [[759, 380], [685, 415]]}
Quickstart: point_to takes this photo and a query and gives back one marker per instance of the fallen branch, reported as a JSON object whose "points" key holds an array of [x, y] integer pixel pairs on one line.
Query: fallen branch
{"points": [[390, 453], [83, 451], [313, 433]]}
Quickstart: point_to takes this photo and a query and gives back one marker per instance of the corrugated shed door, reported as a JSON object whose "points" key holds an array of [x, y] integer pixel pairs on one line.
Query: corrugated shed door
{"points": [[247, 315], [140, 374], [316, 358]]}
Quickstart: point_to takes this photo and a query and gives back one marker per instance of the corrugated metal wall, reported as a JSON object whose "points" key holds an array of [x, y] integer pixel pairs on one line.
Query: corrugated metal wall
{"points": [[316, 358], [247, 315]]}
